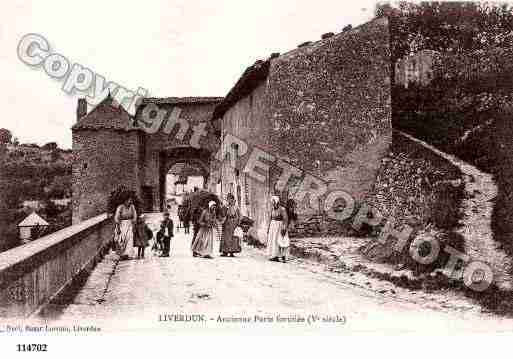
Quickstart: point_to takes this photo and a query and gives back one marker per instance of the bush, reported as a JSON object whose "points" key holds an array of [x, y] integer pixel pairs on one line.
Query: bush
{"points": [[195, 202], [51, 209], [120, 195], [445, 209], [50, 146]]}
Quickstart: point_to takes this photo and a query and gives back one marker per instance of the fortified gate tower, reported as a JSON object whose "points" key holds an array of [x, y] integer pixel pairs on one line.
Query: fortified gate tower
{"points": [[113, 148]]}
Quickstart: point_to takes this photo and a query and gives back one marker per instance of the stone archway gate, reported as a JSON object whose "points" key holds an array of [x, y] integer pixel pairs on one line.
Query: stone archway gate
{"points": [[112, 147]]}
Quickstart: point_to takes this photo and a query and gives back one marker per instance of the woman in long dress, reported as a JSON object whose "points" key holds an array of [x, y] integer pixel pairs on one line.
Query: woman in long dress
{"points": [[277, 236], [124, 222], [203, 244], [230, 244]]}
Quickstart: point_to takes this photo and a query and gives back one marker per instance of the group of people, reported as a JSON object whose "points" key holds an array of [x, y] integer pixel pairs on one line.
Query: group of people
{"points": [[208, 224], [132, 232]]}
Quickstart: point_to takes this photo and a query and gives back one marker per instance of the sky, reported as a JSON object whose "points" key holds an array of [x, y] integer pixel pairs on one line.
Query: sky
{"points": [[169, 47]]}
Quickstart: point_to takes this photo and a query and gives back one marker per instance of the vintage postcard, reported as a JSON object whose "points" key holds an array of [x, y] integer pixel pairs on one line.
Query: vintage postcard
{"points": [[247, 167]]}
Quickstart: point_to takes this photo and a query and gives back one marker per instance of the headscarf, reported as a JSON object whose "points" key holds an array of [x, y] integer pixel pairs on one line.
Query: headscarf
{"points": [[275, 199], [211, 203]]}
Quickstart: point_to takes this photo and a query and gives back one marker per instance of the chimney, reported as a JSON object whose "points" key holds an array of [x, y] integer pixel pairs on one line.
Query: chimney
{"points": [[81, 108]]}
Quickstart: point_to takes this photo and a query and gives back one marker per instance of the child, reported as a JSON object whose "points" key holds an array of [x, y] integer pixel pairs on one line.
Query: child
{"points": [[159, 240], [165, 234], [143, 234]]}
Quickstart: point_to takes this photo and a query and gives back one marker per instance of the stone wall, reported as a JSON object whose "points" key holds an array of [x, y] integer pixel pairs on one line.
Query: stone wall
{"points": [[109, 152], [465, 110], [419, 188], [103, 160], [33, 274], [194, 115], [330, 107], [416, 186], [323, 107], [159, 145]]}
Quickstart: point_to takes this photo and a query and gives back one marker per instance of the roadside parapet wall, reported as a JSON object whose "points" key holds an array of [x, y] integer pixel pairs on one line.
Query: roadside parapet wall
{"points": [[32, 274]]}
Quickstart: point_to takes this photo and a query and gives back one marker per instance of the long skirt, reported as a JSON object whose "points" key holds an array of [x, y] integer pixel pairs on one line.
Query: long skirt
{"points": [[204, 242], [274, 239], [125, 239], [141, 238], [229, 243], [218, 231]]}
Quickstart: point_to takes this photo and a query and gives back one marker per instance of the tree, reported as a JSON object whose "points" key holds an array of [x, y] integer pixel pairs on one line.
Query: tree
{"points": [[11, 191], [60, 187], [50, 146], [5, 136], [447, 26], [51, 209]]}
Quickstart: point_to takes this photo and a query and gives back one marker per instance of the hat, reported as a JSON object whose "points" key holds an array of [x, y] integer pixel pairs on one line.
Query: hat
{"points": [[211, 203]]}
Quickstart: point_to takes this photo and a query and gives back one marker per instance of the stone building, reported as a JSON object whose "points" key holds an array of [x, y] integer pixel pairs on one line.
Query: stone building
{"points": [[416, 68], [323, 107], [31, 223], [111, 148]]}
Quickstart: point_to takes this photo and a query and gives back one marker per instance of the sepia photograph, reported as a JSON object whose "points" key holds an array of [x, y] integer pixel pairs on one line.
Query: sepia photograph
{"points": [[254, 167]]}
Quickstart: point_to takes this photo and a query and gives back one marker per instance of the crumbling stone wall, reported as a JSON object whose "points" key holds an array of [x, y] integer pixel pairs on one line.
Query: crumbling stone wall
{"points": [[465, 110], [417, 187]]}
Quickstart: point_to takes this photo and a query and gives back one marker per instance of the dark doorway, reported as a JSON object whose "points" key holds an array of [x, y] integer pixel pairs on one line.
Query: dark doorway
{"points": [[147, 198]]}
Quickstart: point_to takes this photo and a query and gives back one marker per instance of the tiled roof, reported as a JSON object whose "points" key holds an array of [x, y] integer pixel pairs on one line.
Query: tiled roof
{"points": [[249, 80], [181, 100], [33, 219], [106, 115]]}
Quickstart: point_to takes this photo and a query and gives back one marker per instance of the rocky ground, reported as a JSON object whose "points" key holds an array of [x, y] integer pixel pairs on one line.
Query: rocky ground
{"points": [[476, 223], [343, 256]]}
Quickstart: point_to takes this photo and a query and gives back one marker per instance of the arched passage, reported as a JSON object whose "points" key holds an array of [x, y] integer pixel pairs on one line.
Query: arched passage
{"points": [[182, 162]]}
